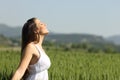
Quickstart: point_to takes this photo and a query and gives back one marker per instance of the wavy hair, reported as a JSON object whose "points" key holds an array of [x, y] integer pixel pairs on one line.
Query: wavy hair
{"points": [[29, 33]]}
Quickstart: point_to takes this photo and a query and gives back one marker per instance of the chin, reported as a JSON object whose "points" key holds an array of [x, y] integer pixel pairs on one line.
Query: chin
{"points": [[44, 33]]}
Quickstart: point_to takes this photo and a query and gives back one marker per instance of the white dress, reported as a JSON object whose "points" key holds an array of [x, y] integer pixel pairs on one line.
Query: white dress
{"points": [[39, 71]]}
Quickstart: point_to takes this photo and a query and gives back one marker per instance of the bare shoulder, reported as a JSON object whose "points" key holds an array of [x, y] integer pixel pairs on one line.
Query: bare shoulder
{"points": [[30, 45], [30, 48]]}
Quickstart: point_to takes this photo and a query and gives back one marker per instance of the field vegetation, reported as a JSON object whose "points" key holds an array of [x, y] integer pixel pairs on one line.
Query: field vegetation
{"points": [[67, 64]]}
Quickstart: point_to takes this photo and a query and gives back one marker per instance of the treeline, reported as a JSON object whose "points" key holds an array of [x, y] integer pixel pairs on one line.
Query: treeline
{"points": [[87, 47], [90, 47], [9, 42]]}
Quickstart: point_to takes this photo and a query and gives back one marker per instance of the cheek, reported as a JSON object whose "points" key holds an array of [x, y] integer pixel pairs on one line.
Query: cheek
{"points": [[44, 31], [43, 28]]}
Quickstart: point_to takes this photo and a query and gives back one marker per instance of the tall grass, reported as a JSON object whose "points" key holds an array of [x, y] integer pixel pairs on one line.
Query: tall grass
{"points": [[68, 65], [9, 60]]}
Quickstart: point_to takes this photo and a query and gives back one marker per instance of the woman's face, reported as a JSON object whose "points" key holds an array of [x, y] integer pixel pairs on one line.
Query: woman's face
{"points": [[41, 27]]}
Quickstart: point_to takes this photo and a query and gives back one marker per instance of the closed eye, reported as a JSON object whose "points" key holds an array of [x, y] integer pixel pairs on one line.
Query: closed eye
{"points": [[41, 24]]}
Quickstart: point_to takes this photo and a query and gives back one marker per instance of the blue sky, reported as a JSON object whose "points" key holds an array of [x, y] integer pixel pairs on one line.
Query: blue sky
{"points": [[99, 17]]}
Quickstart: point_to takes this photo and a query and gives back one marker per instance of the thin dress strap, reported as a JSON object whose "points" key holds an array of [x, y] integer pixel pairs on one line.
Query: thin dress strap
{"points": [[40, 54], [39, 50]]}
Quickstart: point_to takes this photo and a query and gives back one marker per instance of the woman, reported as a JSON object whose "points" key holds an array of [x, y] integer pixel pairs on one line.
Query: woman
{"points": [[34, 62]]}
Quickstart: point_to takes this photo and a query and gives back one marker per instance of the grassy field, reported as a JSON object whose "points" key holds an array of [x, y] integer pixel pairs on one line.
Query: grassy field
{"points": [[68, 65]]}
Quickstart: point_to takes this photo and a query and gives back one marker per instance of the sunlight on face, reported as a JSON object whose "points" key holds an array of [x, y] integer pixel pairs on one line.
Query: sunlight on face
{"points": [[41, 27]]}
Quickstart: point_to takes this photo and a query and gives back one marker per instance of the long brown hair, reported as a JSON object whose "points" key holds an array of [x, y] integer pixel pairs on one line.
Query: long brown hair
{"points": [[29, 34]]}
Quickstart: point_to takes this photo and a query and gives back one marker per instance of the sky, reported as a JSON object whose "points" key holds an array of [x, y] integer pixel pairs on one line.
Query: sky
{"points": [[98, 17]]}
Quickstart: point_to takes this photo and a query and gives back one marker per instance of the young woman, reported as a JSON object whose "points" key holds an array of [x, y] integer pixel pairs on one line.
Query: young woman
{"points": [[34, 62]]}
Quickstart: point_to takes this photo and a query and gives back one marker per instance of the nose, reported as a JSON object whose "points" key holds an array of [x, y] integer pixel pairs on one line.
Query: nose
{"points": [[44, 24]]}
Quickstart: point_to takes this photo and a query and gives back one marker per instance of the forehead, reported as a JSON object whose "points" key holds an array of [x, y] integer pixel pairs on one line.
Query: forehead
{"points": [[37, 21]]}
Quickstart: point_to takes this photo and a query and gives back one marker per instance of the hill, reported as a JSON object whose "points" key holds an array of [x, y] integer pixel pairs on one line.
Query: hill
{"points": [[14, 33], [75, 38], [4, 41], [115, 39], [11, 36], [9, 31]]}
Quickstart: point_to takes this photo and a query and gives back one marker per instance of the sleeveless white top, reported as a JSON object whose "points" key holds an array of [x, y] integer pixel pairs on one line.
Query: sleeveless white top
{"points": [[39, 70]]}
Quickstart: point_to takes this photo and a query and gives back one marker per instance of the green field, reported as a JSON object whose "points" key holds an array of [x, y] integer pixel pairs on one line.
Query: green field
{"points": [[68, 65]]}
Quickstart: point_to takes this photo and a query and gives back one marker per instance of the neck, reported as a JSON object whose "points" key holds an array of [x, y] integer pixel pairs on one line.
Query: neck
{"points": [[41, 39]]}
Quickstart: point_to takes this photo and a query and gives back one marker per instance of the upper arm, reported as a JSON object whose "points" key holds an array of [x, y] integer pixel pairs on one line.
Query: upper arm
{"points": [[26, 58]]}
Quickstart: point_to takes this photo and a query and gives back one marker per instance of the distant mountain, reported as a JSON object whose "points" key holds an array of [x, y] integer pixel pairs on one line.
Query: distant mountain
{"points": [[15, 32], [115, 39], [4, 41], [9, 31], [75, 38]]}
